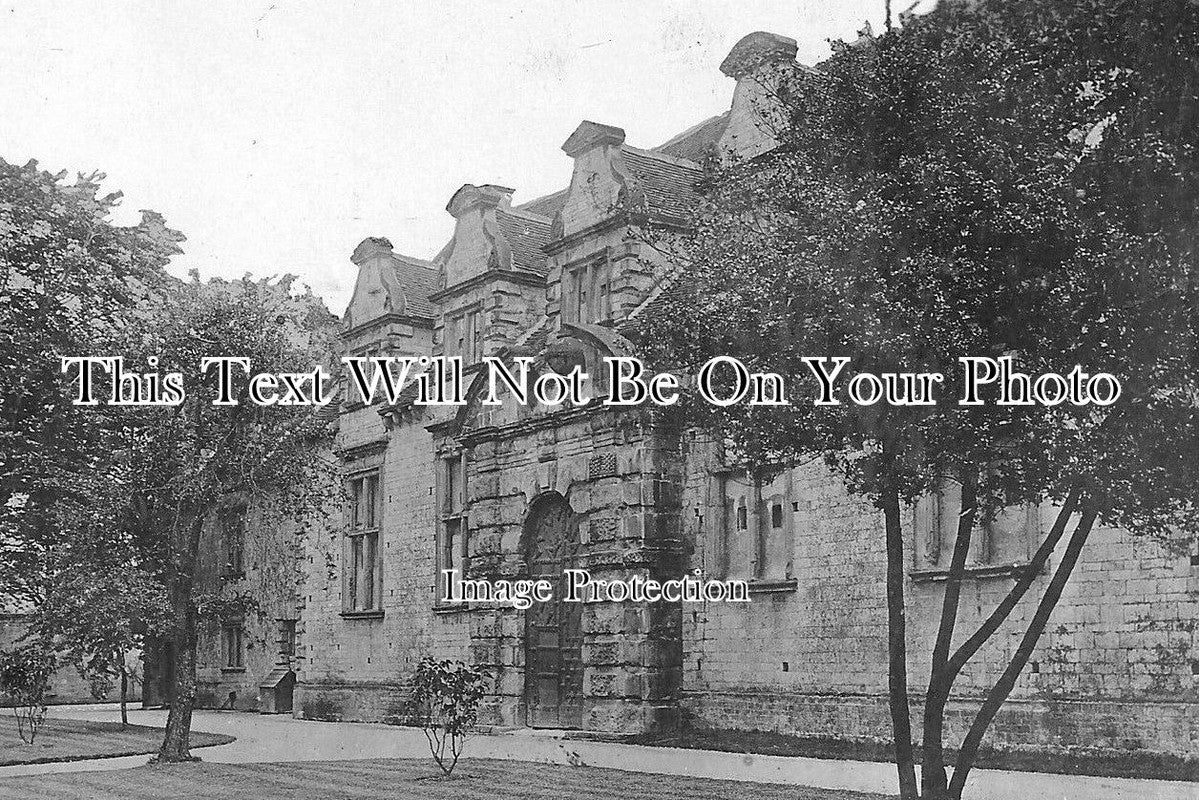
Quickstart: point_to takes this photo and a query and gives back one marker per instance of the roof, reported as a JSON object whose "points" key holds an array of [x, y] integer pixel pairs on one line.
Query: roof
{"points": [[669, 183], [698, 141], [668, 292], [418, 280], [546, 206], [526, 233]]}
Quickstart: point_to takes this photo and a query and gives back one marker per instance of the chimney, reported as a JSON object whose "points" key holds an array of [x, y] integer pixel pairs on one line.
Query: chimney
{"points": [[590, 135], [756, 49], [485, 197], [760, 62], [370, 247]]}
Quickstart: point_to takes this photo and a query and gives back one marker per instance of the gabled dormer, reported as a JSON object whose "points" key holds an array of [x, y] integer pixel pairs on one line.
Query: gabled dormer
{"points": [[491, 275], [390, 311], [761, 63], [601, 264]]}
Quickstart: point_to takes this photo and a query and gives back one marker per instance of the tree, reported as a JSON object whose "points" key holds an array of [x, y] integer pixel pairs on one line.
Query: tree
{"points": [[25, 677], [99, 608], [68, 278], [446, 698], [178, 462], [984, 180]]}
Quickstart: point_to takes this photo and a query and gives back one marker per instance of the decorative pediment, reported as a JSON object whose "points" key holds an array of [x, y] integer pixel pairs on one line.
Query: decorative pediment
{"points": [[760, 63], [600, 184], [377, 290], [478, 244]]}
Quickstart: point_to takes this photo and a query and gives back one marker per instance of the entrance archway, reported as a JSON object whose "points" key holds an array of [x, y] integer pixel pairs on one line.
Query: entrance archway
{"points": [[553, 630]]}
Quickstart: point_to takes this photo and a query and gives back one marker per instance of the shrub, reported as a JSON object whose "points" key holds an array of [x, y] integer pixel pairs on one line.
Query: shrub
{"points": [[446, 699], [25, 678]]}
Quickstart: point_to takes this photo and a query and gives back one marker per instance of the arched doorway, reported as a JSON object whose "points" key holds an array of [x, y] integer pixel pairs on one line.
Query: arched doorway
{"points": [[553, 630]]}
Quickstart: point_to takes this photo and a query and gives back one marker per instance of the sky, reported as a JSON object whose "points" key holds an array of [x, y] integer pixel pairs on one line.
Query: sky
{"points": [[277, 135]]}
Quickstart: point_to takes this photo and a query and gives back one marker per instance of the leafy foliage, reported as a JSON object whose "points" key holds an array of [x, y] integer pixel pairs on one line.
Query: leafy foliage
{"points": [[986, 179], [25, 677], [107, 502], [68, 278], [178, 464], [445, 696]]}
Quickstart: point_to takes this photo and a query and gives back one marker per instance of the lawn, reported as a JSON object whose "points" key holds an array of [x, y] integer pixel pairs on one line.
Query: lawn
{"points": [[72, 740], [1076, 761], [394, 779]]}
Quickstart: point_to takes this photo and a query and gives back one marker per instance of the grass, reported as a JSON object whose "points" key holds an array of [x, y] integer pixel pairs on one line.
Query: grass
{"points": [[74, 740], [1076, 761], [395, 779]]}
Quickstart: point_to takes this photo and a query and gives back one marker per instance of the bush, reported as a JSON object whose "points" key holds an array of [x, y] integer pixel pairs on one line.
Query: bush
{"points": [[25, 678], [446, 699]]}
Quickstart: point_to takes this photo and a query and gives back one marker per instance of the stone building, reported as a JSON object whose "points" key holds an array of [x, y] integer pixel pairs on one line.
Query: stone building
{"points": [[508, 491]]}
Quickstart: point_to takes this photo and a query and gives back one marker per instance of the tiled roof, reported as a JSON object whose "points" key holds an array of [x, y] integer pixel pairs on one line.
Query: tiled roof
{"points": [[695, 143], [526, 233], [669, 291], [535, 339], [669, 183], [418, 280], [546, 206]]}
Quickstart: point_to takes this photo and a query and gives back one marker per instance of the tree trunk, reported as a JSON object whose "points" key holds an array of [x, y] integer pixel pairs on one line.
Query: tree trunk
{"points": [[933, 778], [897, 685], [124, 694], [176, 744], [1003, 687], [1002, 611]]}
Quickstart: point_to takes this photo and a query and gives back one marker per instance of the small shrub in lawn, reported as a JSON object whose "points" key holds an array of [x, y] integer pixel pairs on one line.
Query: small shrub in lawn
{"points": [[445, 698], [25, 678]]}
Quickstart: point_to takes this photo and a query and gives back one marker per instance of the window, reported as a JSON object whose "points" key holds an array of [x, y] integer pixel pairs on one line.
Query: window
{"points": [[758, 540], [364, 584], [287, 638], [233, 538], [464, 336], [232, 644], [1005, 540], [349, 386], [588, 292], [453, 548]]}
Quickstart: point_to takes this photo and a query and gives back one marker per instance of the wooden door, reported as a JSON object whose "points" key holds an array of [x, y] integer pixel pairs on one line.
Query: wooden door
{"points": [[553, 630]]}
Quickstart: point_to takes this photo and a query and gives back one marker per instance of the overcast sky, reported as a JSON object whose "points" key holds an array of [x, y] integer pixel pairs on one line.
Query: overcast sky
{"points": [[277, 135]]}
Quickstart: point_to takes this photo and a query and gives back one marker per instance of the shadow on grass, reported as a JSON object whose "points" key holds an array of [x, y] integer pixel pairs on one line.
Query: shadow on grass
{"points": [[78, 740]]}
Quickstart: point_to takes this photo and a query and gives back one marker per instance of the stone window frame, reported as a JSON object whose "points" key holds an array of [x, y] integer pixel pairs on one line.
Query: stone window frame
{"points": [[453, 522], [463, 332], [233, 647], [379, 348], [934, 530], [592, 272], [234, 525], [356, 539], [288, 637], [746, 512]]}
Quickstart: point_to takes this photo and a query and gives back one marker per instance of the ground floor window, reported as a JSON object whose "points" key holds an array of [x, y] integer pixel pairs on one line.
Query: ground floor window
{"points": [[364, 561], [233, 646]]}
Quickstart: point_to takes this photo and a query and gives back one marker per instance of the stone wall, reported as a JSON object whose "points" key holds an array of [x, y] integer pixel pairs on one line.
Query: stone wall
{"points": [[358, 667], [616, 476], [66, 685], [1116, 667]]}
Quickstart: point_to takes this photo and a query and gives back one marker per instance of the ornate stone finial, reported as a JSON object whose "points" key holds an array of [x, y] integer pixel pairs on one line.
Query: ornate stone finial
{"points": [[370, 247], [470, 196], [756, 49], [590, 135]]}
